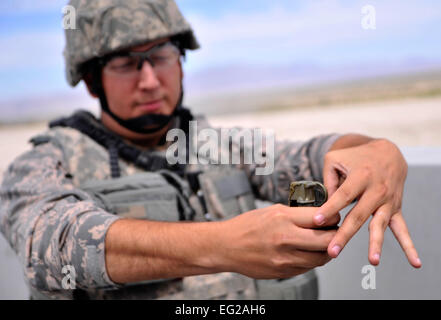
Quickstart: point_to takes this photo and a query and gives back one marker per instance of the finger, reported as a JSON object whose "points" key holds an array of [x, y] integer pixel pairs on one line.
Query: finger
{"points": [[401, 233], [304, 217], [331, 224], [353, 221], [333, 221], [309, 239], [331, 179], [377, 227], [348, 192]]}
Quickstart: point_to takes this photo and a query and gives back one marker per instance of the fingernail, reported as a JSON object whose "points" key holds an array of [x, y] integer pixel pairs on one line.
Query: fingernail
{"points": [[319, 219], [418, 261], [336, 250], [377, 257]]}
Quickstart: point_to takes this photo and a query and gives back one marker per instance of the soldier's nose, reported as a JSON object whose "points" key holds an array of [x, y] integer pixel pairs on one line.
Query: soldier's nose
{"points": [[148, 79]]}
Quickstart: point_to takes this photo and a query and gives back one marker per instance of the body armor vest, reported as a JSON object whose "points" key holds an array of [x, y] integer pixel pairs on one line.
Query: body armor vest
{"points": [[165, 194]]}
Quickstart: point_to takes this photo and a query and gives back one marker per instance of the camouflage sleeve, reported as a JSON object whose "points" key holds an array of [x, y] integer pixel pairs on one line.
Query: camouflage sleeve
{"points": [[293, 161], [51, 224], [284, 161]]}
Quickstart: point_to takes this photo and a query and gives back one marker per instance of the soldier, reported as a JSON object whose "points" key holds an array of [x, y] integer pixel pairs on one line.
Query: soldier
{"points": [[98, 196]]}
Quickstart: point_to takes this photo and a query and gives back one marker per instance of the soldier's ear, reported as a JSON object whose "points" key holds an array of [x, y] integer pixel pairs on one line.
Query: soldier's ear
{"points": [[88, 80]]}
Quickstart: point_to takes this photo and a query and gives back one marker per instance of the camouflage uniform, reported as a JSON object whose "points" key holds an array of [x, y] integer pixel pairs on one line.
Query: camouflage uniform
{"points": [[51, 221]]}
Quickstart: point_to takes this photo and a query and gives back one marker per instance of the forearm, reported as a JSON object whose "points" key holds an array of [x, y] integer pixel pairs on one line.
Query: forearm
{"points": [[139, 250]]}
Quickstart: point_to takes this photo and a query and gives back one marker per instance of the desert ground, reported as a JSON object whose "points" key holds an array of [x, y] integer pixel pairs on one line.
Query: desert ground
{"points": [[407, 122]]}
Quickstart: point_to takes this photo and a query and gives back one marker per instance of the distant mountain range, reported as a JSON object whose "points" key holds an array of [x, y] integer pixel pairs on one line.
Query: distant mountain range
{"points": [[237, 78], [222, 84]]}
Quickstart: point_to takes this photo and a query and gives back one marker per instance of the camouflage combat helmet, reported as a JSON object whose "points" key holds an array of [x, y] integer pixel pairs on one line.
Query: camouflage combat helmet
{"points": [[104, 27], [107, 26]]}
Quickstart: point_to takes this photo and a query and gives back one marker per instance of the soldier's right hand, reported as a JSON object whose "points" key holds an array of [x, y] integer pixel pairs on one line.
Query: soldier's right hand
{"points": [[274, 242]]}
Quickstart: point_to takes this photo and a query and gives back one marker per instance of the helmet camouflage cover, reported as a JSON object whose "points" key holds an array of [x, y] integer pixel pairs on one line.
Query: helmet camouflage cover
{"points": [[107, 26]]}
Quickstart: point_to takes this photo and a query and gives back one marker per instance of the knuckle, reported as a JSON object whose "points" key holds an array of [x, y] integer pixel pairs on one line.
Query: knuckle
{"points": [[382, 220], [384, 223], [278, 216], [274, 262], [278, 206], [378, 224], [346, 195], [280, 210], [382, 190], [397, 203], [366, 172], [281, 240], [274, 208], [357, 220], [279, 263], [372, 224]]}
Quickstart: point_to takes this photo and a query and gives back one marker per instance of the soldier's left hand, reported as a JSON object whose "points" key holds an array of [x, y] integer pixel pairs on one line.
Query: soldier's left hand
{"points": [[374, 174]]}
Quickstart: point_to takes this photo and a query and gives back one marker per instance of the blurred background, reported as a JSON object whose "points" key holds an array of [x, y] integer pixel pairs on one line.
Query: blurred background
{"points": [[301, 68]]}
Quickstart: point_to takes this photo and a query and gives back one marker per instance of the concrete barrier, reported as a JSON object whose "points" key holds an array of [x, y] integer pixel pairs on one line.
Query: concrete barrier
{"points": [[394, 277]]}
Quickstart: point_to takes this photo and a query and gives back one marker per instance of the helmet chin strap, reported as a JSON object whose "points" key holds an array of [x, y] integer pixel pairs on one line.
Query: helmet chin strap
{"points": [[149, 123]]}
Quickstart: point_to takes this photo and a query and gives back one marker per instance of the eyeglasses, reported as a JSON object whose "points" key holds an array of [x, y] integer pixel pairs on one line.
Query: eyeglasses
{"points": [[129, 64]]}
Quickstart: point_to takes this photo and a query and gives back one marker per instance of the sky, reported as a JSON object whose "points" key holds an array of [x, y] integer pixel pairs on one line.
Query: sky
{"points": [[234, 32]]}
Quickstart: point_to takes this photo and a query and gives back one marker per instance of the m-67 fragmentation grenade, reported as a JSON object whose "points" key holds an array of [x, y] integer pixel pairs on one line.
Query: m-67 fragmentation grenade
{"points": [[304, 286], [307, 194]]}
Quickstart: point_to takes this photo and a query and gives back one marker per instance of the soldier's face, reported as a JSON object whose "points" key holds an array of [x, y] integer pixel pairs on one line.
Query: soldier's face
{"points": [[150, 92]]}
